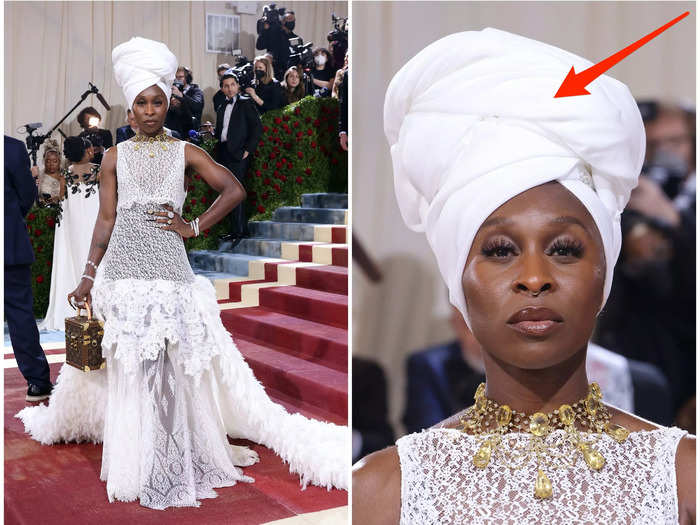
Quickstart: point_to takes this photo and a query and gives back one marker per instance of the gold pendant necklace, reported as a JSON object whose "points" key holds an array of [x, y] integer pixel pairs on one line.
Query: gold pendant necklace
{"points": [[491, 420], [161, 138]]}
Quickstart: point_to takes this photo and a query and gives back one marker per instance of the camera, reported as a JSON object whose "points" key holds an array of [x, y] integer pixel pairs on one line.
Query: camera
{"points": [[300, 55], [245, 73], [272, 15], [179, 85], [339, 33], [668, 171]]}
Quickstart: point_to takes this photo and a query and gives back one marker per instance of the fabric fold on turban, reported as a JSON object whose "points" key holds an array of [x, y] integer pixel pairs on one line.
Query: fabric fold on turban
{"points": [[141, 63], [472, 122]]}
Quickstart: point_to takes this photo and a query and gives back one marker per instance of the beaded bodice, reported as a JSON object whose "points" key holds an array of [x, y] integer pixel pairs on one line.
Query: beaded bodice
{"points": [[440, 484], [144, 178], [137, 248]]}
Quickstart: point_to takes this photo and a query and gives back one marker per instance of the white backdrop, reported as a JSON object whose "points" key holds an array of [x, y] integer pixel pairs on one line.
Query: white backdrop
{"points": [[409, 309], [53, 49]]}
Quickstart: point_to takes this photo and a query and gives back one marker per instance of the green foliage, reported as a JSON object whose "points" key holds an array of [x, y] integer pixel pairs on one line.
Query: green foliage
{"points": [[41, 224], [199, 197], [298, 152]]}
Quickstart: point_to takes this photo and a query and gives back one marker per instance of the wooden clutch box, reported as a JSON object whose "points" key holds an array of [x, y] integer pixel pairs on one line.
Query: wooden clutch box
{"points": [[84, 343]]}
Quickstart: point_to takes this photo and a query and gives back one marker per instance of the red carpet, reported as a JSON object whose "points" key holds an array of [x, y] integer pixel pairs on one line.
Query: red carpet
{"points": [[60, 484]]}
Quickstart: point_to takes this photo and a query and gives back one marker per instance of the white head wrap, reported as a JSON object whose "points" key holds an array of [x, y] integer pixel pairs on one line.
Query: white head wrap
{"points": [[472, 122], [141, 63]]}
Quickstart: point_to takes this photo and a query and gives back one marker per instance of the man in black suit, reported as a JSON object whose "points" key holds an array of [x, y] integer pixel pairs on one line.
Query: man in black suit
{"points": [[128, 131], [20, 194], [238, 129], [219, 97]]}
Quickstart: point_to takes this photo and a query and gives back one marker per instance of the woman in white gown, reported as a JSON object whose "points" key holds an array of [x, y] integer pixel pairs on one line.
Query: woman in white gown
{"points": [[74, 231], [520, 199], [175, 384]]}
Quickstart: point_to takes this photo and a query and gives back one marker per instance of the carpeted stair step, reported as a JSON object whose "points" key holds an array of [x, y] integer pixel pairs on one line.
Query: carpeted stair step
{"points": [[303, 380], [298, 231], [288, 231], [311, 215], [324, 200], [316, 342], [224, 262], [294, 406], [332, 279], [260, 247], [314, 305]]}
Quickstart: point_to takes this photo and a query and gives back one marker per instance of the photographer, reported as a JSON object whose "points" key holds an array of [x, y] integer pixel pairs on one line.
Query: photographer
{"points": [[238, 129], [89, 119], [186, 103], [219, 97], [274, 31], [323, 72], [268, 93]]}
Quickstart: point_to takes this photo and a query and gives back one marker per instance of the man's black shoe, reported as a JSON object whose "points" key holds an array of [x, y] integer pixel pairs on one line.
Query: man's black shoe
{"points": [[35, 393]]}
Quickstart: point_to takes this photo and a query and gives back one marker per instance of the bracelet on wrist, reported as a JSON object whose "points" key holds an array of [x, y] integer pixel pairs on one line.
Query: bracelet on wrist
{"points": [[86, 276]]}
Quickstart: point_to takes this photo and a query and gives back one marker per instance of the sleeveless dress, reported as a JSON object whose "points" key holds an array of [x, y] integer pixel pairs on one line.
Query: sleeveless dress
{"points": [[440, 485], [71, 246], [174, 384]]}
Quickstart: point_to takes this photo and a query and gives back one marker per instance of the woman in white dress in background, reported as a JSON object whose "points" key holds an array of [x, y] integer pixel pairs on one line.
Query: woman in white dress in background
{"points": [[73, 233], [175, 385]]}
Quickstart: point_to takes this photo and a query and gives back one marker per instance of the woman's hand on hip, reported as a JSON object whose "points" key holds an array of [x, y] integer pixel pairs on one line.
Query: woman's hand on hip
{"points": [[171, 221]]}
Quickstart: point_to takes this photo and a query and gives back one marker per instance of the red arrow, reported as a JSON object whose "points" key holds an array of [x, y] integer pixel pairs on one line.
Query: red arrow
{"points": [[575, 85]]}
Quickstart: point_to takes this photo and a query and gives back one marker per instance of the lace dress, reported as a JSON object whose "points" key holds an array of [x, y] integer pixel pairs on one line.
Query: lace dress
{"points": [[440, 485], [175, 384]]}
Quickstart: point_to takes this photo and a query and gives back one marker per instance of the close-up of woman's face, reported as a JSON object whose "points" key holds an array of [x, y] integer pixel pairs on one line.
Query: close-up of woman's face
{"points": [[534, 277], [51, 162], [149, 110]]}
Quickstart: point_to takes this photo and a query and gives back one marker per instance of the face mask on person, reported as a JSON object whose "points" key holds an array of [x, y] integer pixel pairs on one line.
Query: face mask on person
{"points": [[320, 60], [259, 74], [289, 25]]}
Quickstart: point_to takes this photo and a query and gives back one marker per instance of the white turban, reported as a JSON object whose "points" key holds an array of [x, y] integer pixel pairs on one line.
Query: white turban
{"points": [[141, 63], [472, 122]]}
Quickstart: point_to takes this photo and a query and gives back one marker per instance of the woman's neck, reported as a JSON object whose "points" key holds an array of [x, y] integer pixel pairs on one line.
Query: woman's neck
{"points": [[154, 134], [531, 391]]}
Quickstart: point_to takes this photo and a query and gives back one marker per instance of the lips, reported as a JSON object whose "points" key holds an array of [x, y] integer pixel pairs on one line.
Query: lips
{"points": [[535, 321]]}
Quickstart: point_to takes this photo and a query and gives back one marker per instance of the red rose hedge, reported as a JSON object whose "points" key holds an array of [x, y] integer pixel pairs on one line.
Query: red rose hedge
{"points": [[41, 223], [320, 165]]}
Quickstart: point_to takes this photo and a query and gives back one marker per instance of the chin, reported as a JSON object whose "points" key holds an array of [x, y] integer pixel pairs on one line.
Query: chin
{"points": [[537, 354]]}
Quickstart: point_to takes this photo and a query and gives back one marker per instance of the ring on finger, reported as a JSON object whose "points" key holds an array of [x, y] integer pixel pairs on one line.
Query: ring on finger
{"points": [[170, 221], [170, 215]]}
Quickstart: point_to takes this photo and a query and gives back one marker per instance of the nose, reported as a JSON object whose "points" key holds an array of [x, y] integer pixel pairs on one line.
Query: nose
{"points": [[534, 276]]}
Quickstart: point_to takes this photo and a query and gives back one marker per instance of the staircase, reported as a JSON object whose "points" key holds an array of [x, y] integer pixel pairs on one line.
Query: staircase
{"points": [[283, 295]]}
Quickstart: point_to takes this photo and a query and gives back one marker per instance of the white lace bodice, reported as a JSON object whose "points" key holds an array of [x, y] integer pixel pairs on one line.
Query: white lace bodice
{"points": [[440, 485], [144, 179]]}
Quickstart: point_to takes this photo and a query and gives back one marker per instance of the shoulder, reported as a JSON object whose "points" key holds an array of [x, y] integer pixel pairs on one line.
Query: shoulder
{"points": [[109, 158], [376, 488]]}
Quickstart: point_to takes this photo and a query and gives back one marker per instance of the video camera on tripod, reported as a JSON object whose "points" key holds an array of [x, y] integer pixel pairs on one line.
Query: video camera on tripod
{"points": [[245, 73], [300, 55], [272, 16]]}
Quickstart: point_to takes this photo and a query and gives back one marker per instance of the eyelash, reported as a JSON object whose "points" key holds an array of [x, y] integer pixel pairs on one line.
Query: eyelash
{"points": [[501, 248]]}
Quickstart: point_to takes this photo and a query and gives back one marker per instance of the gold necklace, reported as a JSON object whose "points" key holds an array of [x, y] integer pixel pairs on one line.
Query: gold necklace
{"points": [[491, 420], [161, 138]]}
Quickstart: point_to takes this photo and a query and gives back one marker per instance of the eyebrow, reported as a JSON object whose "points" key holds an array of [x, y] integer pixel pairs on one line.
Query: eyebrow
{"points": [[566, 219]]}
